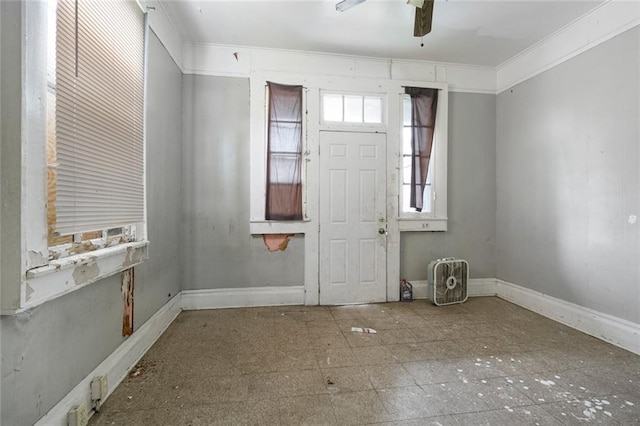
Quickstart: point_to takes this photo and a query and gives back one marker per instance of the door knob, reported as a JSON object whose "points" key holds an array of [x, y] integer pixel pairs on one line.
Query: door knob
{"points": [[382, 231]]}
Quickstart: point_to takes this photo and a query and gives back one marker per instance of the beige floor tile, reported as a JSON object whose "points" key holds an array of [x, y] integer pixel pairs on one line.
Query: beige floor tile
{"points": [[331, 358], [580, 412], [543, 388], [349, 312], [207, 390], [530, 416], [355, 339], [306, 410], [411, 352], [483, 362], [346, 379], [410, 403], [285, 384], [388, 376], [425, 421], [302, 359], [373, 355], [394, 337], [329, 341], [360, 407]]}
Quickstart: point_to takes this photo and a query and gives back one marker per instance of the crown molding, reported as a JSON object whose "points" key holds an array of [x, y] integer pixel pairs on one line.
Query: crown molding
{"points": [[607, 21], [603, 23], [243, 61], [162, 24]]}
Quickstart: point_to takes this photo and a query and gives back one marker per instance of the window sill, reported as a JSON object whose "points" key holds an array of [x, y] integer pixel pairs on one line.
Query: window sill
{"points": [[63, 276], [260, 227], [422, 224]]}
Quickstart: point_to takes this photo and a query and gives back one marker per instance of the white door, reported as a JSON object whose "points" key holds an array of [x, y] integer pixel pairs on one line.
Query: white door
{"points": [[353, 241]]}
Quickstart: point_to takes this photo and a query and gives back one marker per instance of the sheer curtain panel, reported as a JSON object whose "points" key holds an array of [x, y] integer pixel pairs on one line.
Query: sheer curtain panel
{"points": [[284, 153], [424, 103]]}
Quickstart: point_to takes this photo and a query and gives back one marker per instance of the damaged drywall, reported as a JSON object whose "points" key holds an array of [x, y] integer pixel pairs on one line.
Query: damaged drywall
{"points": [[85, 273], [275, 242], [127, 299]]}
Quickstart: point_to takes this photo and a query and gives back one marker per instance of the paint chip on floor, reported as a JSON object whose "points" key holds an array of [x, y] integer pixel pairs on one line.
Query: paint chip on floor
{"points": [[363, 330]]}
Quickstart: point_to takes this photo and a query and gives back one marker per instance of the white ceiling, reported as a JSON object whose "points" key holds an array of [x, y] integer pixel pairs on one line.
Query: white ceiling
{"points": [[475, 32]]}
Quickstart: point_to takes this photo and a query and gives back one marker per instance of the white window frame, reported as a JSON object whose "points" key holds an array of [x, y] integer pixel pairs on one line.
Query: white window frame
{"points": [[43, 279], [436, 219], [258, 161], [351, 125]]}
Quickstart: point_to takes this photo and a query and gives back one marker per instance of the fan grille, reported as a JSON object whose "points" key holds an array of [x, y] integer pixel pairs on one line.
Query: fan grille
{"points": [[450, 279]]}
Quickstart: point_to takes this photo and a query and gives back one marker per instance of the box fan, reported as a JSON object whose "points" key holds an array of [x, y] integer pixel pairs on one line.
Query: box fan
{"points": [[448, 281]]}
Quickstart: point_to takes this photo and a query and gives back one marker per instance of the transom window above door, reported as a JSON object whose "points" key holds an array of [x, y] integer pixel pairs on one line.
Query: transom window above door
{"points": [[352, 108]]}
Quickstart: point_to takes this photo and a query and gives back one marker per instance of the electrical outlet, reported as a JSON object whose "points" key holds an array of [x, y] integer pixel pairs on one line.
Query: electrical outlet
{"points": [[78, 416], [99, 388]]}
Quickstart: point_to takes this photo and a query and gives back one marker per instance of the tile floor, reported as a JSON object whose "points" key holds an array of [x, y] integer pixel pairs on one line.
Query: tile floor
{"points": [[486, 362]]}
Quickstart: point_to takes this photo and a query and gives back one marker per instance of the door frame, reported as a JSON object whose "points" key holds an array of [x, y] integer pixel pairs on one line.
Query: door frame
{"points": [[359, 130], [311, 178]]}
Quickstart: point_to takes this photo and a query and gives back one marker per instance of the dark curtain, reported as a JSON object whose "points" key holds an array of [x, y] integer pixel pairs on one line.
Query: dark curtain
{"points": [[424, 103], [284, 153]]}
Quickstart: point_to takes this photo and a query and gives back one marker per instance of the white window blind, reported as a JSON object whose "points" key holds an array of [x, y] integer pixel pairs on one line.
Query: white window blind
{"points": [[99, 91]]}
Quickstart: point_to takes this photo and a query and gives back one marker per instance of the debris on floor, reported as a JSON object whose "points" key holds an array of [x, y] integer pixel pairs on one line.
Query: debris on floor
{"points": [[363, 330], [137, 371]]}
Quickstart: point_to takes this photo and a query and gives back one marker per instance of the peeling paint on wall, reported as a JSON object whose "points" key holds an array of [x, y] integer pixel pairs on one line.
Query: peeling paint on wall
{"points": [[134, 256], [35, 258], [127, 298], [84, 273], [275, 242]]}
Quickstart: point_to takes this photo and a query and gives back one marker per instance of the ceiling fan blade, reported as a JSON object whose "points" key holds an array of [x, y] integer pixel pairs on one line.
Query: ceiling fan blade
{"points": [[347, 4], [424, 16]]}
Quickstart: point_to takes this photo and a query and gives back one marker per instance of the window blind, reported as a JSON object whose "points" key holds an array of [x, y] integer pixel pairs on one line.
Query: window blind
{"points": [[99, 91]]}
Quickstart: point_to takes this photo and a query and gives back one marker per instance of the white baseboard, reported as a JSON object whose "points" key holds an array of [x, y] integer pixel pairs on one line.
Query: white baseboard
{"points": [[242, 297], [616, 331], [477, 287], [480, 287], [118, 364]]}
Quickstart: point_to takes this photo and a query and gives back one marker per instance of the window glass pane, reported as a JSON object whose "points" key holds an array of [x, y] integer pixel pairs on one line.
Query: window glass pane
{"points": [[406, 198], [406, 110], [285, 103], [284, 168], [285, 137], [353, 109], [406, 140], [426, 199], [406, 169], [432, 163], [332, 107], [372, 110]]}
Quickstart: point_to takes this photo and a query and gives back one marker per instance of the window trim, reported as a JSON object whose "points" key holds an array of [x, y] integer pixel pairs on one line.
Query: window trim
{"points": [[384, 120], [259, 108], [41, 279], [436, 219]]}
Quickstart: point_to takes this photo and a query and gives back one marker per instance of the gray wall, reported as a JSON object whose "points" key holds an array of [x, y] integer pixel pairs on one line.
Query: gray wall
{"points": [[161, 274], [567, 174], [49, 349], [218, 250], [471, 191]]}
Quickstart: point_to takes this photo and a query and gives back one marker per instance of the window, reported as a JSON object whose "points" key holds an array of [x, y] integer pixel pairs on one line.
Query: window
{"points": [[82, 175], [418, 128], [95, 136], [284, 152], [423, 183], [357, 109]]}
